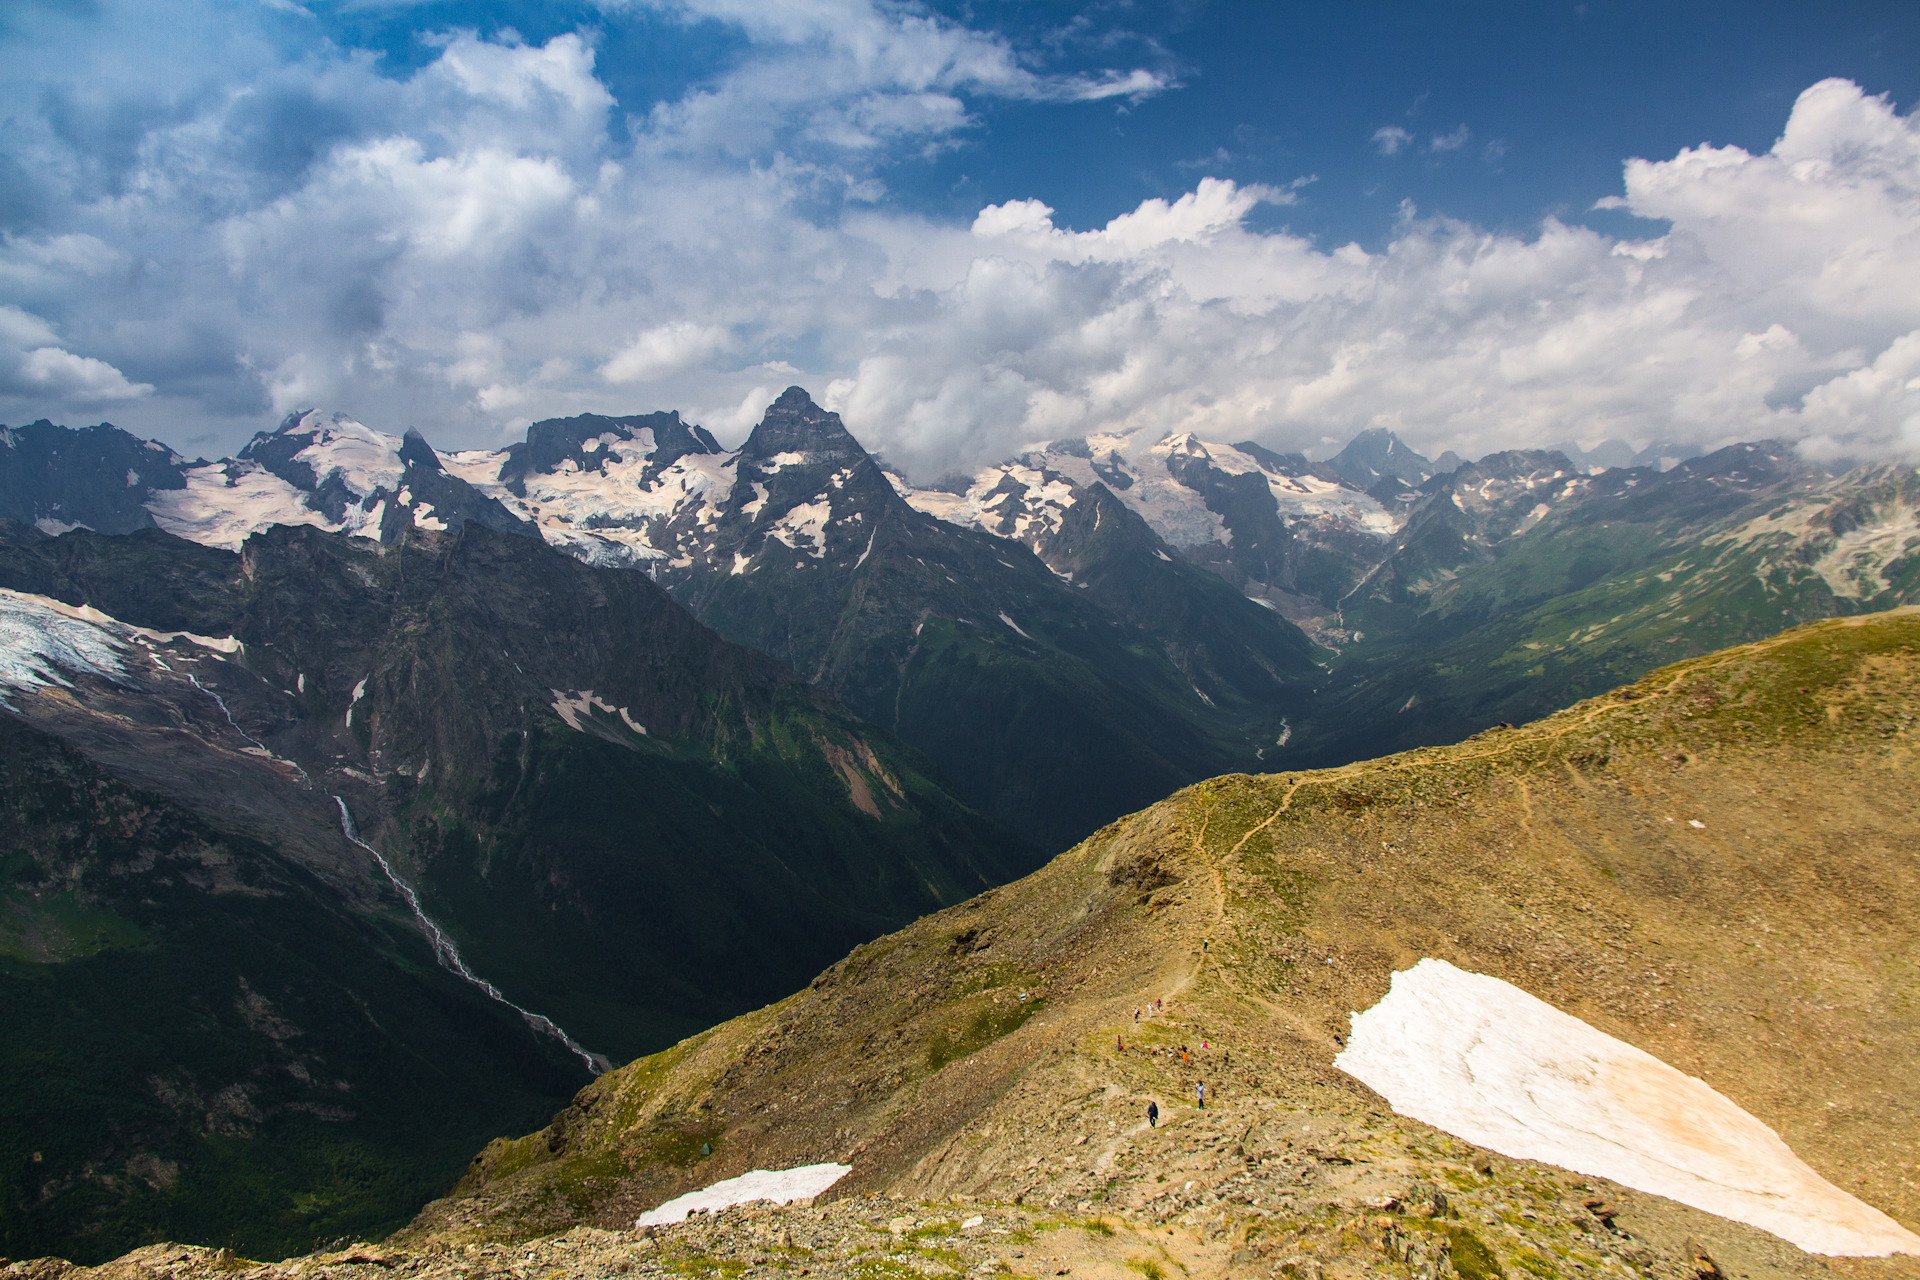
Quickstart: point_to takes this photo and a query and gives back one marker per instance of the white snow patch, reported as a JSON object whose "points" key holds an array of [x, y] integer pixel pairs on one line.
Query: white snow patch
{"points": [[807, 520], [1016, 626], [363, 459], [606, 516], [1487, 1062], [571, 706], [778, 1185], [1053, 476]]}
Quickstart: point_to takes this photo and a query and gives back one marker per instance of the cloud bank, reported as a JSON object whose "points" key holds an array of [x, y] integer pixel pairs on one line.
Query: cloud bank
{"points": [[490, 238]]}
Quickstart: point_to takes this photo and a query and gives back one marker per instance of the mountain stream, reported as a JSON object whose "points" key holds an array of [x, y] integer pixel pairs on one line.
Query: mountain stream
{"points": [[444, 949]]}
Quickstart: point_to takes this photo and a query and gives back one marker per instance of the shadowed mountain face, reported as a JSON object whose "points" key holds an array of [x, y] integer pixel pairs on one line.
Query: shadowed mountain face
{"points": [[1049, 704], [624, 823], [99, 477]]}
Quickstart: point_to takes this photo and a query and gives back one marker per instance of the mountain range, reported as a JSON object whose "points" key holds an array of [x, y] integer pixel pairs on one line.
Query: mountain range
{"points": [[547, 757]]}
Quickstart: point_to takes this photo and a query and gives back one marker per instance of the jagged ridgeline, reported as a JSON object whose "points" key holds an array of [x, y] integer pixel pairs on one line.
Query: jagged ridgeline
{"points": [[238, 1034], [1717, 864], [1072, 633]]}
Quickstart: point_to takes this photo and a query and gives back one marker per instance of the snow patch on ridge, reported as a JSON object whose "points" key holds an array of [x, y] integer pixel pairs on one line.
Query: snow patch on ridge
{"points": [[778, 1185], [1484, 1060]]}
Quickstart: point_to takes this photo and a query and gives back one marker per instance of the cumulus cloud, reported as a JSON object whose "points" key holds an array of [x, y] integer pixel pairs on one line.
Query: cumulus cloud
{"points": [[33, 364], [485, 240], [664, 350], [1452, 140], [1781, 302]]}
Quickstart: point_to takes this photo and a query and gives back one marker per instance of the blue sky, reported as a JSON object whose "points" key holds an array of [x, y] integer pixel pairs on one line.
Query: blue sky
{"points": [[967, 225]]}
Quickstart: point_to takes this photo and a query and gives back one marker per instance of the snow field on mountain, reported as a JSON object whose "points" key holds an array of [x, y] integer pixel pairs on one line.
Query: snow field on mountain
{"points": [[1137, 472], [778, 1185], [225, 503], [1485, 1061], [41, 637], [38, 642], [575, 508], [363, 459]]}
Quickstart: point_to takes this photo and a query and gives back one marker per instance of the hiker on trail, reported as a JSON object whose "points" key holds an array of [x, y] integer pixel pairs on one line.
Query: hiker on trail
{"points": [[1153, 1115], [1200, 1092], [1136, 1015], [1118, 1045], [1183, 1053]]}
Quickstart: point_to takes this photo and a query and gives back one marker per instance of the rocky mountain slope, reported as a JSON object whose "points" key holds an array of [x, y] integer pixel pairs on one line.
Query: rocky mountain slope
{"points": [[1053, 698], [609, 815], [1716, 864], [1294, 534], [1519, 583]]}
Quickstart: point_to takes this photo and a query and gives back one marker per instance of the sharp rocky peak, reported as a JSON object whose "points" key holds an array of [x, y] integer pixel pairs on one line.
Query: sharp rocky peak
{"points": [[795, 424]]}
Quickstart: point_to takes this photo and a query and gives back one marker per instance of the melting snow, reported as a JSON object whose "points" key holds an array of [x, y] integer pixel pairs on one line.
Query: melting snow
{"points": [[1484, 1060], [571, 706], [807, 520], [1016, 626], [777, 1185]]}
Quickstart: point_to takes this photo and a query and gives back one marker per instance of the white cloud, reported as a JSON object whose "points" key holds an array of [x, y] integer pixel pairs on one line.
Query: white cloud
{"points": [[33, 364], [1784, 271], [1391, 139], [665, 350], [469, 247], [1452, 140]]}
